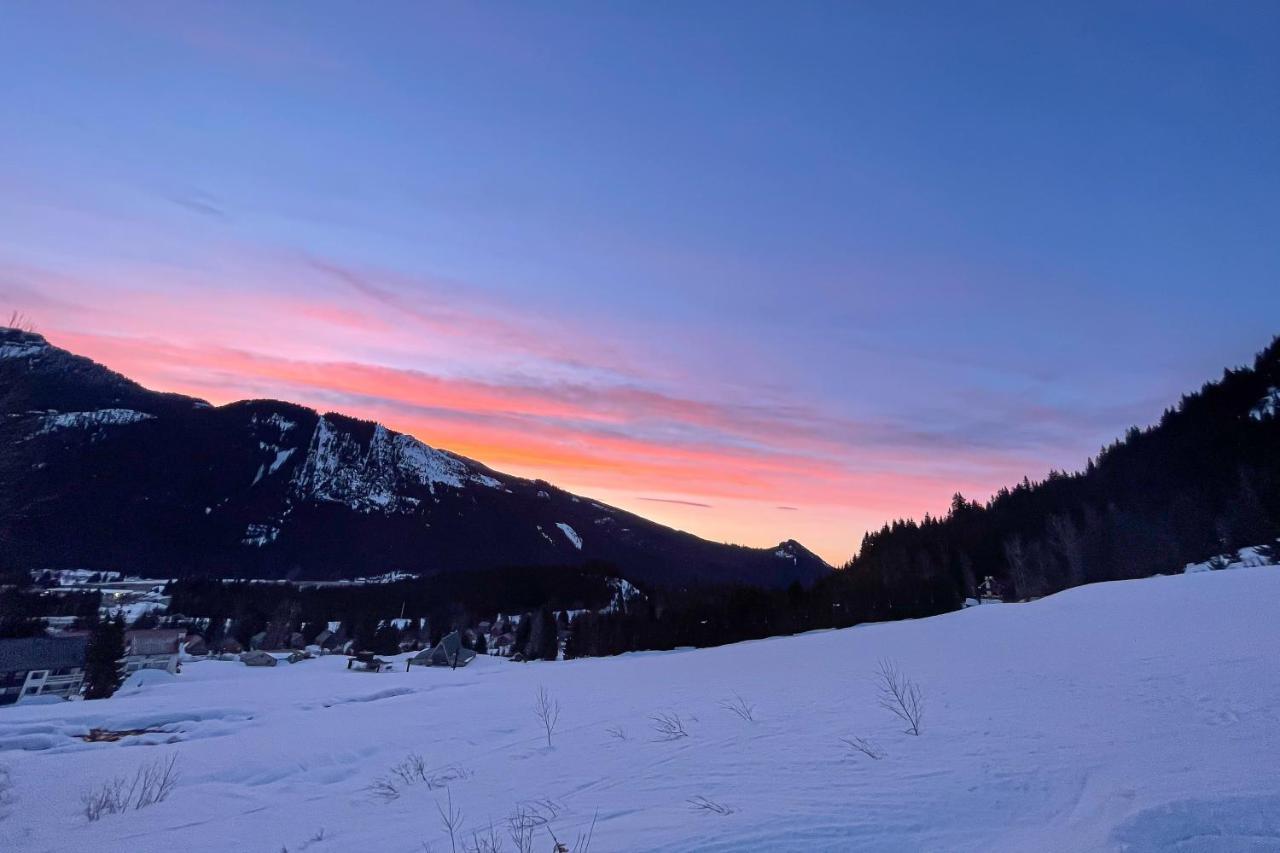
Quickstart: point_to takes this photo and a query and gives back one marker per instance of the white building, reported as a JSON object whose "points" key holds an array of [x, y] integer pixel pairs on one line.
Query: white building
{"points": [[41, 666]]}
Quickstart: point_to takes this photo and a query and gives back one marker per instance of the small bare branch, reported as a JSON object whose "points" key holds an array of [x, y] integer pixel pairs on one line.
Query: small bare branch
{"points": [[740, 707], [617, 732], [900, 696], [583, 844], [151, 784], [866, 747], [451, 820], [384, 789], [547, 711], [702, 804], [669, 726], [487, 842], [414, 770], [527, 819]]}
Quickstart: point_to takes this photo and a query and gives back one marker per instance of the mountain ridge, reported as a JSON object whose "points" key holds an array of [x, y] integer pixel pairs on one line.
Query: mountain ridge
{"points": [[100, 472]]}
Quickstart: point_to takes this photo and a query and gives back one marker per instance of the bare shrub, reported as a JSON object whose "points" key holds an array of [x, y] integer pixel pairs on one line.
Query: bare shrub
{"points": [[151, 783], [107, 798], [900, 696], [668, 726], [582, 844], [527, 818], [442, 778], [617, 732], [451, 820], [866, 747], [547, 711], [702, 804], [487, 842], [740, 707], [414, 770], [154, 782], [385, 789]]}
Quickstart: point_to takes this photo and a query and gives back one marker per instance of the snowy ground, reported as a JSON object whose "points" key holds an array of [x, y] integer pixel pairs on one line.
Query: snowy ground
{"points": [[1138, 716]]}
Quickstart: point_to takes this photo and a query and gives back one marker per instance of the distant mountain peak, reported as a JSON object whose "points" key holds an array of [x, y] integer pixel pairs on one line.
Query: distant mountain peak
{"points": [[128, 479]]}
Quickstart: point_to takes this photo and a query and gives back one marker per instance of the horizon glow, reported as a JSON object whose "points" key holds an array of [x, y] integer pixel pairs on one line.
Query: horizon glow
{"points": [[780, 273]]}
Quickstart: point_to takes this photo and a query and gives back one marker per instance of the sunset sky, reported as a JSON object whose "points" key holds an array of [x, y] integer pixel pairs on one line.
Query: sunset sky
{"points": [[757, 272]]}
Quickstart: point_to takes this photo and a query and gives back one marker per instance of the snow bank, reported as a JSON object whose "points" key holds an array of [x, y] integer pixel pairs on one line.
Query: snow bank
{"points": [[22, 349], [570, 534], [88, 420], [1132, 716], [1244, 558], [1268, 406]]}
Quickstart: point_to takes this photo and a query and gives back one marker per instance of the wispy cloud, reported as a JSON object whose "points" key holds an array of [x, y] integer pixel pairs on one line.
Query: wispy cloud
{"points": [[698, 504], [439, 362]]}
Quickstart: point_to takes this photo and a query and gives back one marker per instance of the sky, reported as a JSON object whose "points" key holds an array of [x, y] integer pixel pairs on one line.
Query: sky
{"points": [[757, 271]]}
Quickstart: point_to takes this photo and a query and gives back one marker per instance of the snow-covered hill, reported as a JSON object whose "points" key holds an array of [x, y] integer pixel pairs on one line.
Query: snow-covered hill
{"points": [[1135, 716]]}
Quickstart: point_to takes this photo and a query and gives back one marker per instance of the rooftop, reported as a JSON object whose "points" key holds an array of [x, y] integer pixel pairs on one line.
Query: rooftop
{"points": [[41, 653]]}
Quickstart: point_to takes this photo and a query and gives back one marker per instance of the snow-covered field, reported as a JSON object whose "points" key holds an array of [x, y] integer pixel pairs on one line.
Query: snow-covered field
{"points": [[1138, 716]]}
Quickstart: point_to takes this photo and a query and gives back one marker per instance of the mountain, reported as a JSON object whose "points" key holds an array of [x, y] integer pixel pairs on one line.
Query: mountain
{"points": [[1203, 482], [98, 472]]}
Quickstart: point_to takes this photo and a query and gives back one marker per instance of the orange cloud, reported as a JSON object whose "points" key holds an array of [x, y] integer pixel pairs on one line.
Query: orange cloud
{"points": [[590, 439]]}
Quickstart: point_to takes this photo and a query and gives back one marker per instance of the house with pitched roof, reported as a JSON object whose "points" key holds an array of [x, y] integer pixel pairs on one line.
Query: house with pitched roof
{"points": [[152, 649]]}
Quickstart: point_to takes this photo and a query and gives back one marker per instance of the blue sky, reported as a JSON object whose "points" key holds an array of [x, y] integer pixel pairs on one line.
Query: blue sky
{"points": [[846, 258]]}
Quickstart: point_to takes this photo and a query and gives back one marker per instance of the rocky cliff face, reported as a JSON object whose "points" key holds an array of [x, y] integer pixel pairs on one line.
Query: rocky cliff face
{"points": [[100, 473]]}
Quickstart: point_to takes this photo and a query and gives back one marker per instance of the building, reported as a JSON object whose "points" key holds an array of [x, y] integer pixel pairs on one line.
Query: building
{"points": [[152, 649], [41, 666]]}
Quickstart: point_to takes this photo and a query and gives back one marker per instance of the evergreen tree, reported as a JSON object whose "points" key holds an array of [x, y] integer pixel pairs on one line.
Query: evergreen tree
{"points": [[19, 615], [386, 640], [523, 631], [280, 628], [103, 670], [546, 638], [573, 645]]}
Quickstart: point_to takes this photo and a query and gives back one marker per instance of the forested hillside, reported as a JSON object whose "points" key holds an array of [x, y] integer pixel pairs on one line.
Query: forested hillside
{"points": [[1204, 481]]}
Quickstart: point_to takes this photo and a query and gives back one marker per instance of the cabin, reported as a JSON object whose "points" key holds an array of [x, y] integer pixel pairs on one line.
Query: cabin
{"points": [[448, 652], [41, 666], [152, 649]]}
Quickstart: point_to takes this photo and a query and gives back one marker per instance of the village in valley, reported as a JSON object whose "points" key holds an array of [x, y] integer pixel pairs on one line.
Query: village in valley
{"points": [[50, 665]]}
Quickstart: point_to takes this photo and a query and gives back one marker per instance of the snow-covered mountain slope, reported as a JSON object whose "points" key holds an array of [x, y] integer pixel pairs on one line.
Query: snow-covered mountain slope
{"points": [[1134, 716], [126, 479]]}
